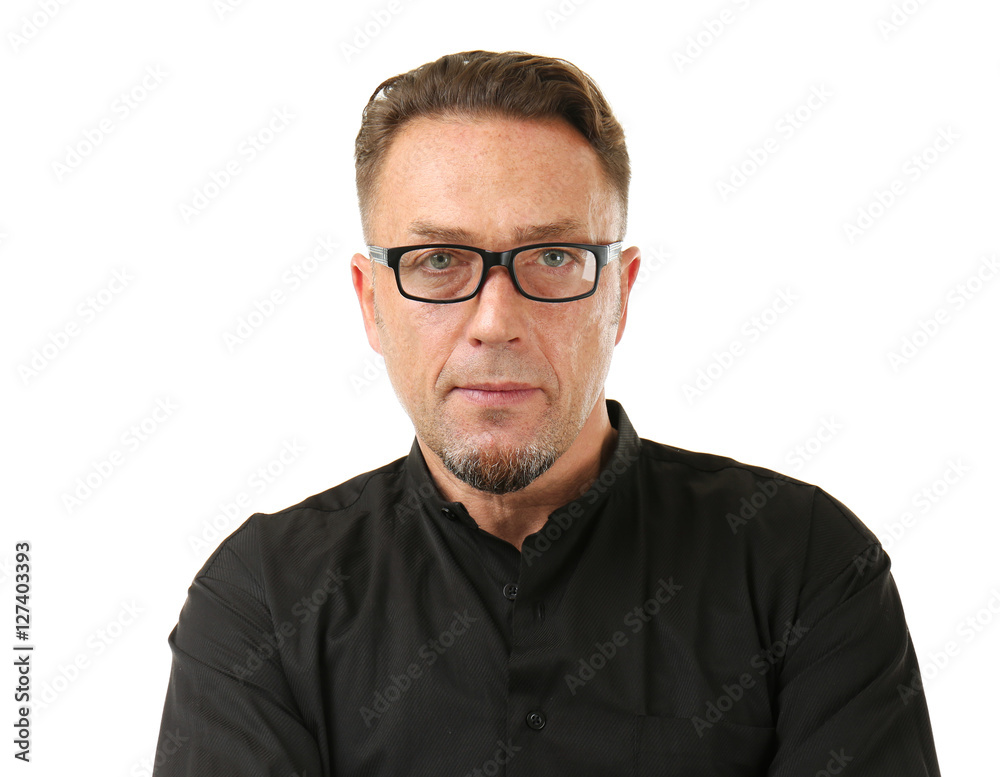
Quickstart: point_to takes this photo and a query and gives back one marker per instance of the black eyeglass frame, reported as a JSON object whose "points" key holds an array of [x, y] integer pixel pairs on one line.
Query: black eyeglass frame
{"points": [[390, 257]]}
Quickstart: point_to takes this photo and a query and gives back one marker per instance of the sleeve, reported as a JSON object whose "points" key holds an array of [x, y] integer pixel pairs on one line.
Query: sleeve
{"points": [[228, 708], [849, 694]]}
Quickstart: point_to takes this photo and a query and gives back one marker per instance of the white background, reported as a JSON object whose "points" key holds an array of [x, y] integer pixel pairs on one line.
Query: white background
{"points": [[306, 377]]}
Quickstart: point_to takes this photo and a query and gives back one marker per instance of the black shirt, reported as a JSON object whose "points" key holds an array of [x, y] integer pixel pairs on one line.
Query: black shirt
{"points": [[687, 615]]}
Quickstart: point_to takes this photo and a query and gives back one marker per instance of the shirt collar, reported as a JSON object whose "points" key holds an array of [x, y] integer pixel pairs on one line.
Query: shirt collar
{"points": [[625, 454]]}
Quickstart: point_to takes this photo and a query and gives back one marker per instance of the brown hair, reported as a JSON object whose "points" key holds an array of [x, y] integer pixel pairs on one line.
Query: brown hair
{"points": [[486, 83]]}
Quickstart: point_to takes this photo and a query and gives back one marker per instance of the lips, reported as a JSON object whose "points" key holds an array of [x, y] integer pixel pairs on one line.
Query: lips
{"points": [[497, 386], [494, 394]]}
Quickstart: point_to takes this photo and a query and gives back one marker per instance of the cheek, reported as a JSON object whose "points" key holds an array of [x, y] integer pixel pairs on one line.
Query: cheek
{"points": [[411, 341], [579, 352]]}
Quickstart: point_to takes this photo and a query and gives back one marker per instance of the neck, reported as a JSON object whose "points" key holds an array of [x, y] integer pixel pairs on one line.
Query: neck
{"points": [[513, 517]]}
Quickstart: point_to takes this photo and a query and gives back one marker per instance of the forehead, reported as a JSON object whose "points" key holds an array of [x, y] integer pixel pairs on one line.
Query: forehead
{"points": [[492, 178]]}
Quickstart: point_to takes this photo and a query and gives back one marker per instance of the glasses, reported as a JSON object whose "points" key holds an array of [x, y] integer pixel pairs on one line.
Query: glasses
{"points": [[549, 272]]}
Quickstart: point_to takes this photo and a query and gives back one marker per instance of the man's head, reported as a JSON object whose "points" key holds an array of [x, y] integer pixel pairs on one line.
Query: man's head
{"points": [[471, 150], [488, 84]]}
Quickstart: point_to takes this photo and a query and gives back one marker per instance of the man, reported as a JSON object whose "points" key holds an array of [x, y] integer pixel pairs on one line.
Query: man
{"points": [[533, 588]]}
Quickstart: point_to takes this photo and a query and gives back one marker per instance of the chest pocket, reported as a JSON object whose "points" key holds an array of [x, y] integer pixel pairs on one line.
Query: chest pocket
{"points": [[676, 746]]}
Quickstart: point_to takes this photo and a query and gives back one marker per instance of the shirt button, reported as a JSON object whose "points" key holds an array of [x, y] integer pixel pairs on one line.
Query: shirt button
{"points": [[536, 720], [447, 512], [510, 591]]}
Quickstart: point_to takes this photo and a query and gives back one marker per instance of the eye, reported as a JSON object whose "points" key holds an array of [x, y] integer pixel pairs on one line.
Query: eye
{"points": [[438, 260], [555, 257]]}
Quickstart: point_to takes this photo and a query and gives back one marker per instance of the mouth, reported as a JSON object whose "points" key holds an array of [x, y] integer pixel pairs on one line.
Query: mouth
{"points": [[497, 394]]}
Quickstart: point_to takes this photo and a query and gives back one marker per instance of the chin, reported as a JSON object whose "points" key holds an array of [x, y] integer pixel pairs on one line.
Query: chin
{"points": [[499, 471]]}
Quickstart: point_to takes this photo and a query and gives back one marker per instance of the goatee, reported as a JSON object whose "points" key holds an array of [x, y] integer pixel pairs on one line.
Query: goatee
{"points": [[498, 471]]}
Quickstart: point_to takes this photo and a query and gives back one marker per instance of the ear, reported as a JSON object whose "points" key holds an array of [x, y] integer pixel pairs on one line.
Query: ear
{"points": [[629, 272], [361, 277]]}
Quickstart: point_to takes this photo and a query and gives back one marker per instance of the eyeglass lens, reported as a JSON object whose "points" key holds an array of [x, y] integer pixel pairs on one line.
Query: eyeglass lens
{"points": [[549, 272]]}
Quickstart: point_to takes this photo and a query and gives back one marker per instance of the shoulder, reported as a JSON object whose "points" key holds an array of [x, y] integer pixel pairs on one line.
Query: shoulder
{"points": [[309, 530], [725, 477], [755, 511], [351, 495]]}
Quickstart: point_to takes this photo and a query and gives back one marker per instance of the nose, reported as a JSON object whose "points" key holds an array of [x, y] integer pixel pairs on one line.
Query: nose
{"points": [[499, 313]]}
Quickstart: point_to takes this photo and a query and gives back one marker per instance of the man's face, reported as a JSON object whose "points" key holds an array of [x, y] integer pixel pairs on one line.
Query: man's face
{"points": [[498, 386]]}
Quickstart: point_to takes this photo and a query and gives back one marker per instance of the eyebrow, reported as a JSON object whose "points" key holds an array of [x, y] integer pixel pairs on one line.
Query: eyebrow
{"points": [[554, 229]]}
